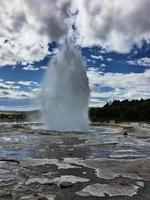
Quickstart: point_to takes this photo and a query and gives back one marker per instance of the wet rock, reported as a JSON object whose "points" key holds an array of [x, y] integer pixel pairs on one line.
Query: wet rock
{"points": [[31, 197], [101, 190], [42, 198], [9, 160], [140, 183], [66, 184], [3, 171], [26, 198], [84, 173], [5, 193], [7, 182], [125, 133], [38, 197], [45, 197]]}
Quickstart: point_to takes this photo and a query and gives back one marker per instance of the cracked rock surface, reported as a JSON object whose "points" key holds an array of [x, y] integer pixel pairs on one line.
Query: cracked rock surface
{"points": [[37, 164]]}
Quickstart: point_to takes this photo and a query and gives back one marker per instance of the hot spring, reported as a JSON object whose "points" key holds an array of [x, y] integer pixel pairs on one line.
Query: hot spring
{"points": [[65, 92]]}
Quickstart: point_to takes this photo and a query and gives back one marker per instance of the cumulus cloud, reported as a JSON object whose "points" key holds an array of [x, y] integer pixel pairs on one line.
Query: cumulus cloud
{"points": [[97, 57], [14, 90], [44, 67], [141, 62], [103, 65], [31, 68], [27, 83], [27, 26], [11, 92], [109, 59], [115, 25], [122, 86]]}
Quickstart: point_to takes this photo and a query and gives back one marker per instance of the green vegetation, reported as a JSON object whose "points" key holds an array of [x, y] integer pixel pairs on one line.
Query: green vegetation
{"points": [[17, 117], [136, 110], [20, 116]]}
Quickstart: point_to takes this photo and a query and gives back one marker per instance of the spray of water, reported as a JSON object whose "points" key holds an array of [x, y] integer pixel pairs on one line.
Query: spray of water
{"points": [[65, 92]]}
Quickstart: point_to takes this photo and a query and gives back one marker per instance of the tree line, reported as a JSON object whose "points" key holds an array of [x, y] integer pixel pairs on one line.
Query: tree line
{"points": [[135, 110], [12, 117]]}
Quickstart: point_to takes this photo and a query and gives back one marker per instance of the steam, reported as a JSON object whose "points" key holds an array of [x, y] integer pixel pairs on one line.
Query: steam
{"points": [[65, 93]]}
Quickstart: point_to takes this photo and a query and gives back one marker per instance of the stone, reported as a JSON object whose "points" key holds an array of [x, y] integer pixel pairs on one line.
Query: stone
{"points": [[66, 184], [42, 198]]}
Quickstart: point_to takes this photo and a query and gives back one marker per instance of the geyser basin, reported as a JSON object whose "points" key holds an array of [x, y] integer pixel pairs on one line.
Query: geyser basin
{"points": [[65, 92]]}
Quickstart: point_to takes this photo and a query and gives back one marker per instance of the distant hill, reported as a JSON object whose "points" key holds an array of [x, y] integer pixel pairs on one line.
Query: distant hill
{"points": [[135, 110]]}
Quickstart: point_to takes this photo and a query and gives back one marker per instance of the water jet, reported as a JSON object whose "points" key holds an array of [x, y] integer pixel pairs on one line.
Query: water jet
{"points": [[65, 92]]}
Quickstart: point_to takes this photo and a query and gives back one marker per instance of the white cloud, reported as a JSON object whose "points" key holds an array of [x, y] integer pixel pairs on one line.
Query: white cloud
{"points": [[13, 96], [115, 25], [12, 90], [141, 61], [27, 83], [17, 84], [109, 59], [97, 57], [103, 65], [43, 67], [124, 86], [31, 68], [12, 93], [27, 26], [10, 82]]}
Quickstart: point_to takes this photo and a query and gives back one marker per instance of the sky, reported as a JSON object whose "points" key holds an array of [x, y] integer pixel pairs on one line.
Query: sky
{"points": [[113, 37]]}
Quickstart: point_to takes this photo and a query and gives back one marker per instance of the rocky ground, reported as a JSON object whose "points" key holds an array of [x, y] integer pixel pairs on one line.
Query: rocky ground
{"points": [[105, 163]]}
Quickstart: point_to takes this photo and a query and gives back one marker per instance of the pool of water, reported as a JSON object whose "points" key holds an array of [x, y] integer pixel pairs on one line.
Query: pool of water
{"points": [[98, 142]]}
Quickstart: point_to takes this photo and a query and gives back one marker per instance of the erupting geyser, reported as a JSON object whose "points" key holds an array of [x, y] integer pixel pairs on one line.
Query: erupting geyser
{"points": [[65, 92]]}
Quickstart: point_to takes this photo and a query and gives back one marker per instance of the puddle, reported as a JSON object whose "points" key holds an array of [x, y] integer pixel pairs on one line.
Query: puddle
{"points": [[99, 142]]}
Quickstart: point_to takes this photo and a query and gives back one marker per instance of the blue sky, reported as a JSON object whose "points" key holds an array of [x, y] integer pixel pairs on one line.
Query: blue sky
{"points": [[116, 51]]}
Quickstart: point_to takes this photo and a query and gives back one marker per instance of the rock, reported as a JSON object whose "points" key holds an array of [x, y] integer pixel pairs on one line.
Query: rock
{"points": [[66, 184], [34, 197], [7, 182], [125, 133], [3, 171], [84, 173], [42, 198], [9, 160], [5, 194], [26, 197]]}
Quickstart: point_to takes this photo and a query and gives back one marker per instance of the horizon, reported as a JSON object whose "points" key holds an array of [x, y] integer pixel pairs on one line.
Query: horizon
{"points": [[39, 109]]}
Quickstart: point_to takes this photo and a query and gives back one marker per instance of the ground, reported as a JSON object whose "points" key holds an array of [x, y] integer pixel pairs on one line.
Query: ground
{"points": [[108, 163]]}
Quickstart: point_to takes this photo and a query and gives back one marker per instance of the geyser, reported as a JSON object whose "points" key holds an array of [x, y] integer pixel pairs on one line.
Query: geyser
{"points": [[65, 92]]}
